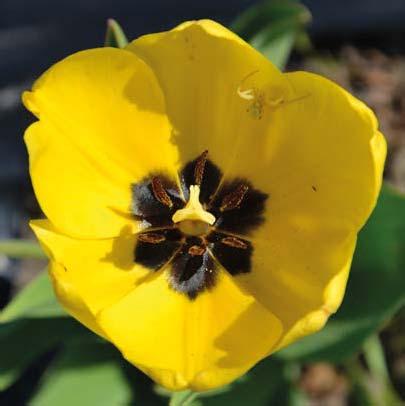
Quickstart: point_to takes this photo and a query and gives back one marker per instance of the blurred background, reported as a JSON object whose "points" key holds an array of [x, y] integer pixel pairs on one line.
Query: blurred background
{"points": [[358, 43]]}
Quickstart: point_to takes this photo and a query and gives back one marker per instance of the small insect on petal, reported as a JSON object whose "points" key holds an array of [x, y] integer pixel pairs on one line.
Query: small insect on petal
{"points": [[248, 94]]}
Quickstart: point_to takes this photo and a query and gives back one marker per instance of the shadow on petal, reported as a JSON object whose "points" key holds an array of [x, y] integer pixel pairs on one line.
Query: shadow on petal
{"points": [[122, 250]]}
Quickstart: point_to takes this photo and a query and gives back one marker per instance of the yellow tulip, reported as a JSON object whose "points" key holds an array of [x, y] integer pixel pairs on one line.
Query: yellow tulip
{"points": [[202, 207]]}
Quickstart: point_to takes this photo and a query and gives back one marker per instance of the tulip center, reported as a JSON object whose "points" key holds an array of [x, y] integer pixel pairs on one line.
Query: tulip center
{"points": [[194, 231], [193, 227]]}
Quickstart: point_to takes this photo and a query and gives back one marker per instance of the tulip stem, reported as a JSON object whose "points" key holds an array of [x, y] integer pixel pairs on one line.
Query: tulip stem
{"points": [[375, 358], [184, 398], [373, 385]]}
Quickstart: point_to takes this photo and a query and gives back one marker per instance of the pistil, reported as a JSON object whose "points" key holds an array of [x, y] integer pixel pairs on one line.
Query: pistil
{"points": [[193, 211]]}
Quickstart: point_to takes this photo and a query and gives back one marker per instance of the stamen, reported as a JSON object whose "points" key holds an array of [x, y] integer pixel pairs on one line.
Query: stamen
{"points": [[196, 250], [152, 238], [234, 199], [234, 242], [199, 167], [160, 192]]}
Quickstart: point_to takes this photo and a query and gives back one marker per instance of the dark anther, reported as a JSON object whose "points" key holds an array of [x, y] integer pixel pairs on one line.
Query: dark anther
{"points": [[152, 238], [148, 208], [196, 250], [203, 172], [234, 242], [160, 192], [199, 167], [234, 199], [154, 250], [234, 257], [248, 213]]}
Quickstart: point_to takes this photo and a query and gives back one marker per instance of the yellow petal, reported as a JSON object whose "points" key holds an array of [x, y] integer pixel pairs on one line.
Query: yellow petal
{"points": [[100, 272], [102, 126], [208, 75], [71, 301], [199, 344], [315, 319], [181, 343], [300, 275], [320, 158]]}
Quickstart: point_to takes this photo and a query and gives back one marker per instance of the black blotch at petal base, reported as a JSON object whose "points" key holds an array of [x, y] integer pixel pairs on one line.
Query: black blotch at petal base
{"points": [[248, 216], [145, 204], [234, 260], [156, 255], [192, 274]]}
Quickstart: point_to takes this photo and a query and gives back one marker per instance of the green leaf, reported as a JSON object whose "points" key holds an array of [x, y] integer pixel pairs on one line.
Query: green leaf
{"points": [[88, 374], [272, 27], [375, 290], [267, 13], [30, 326], [35, 300], [115, 36], [278, 49], [21, 249], [24, 340]]}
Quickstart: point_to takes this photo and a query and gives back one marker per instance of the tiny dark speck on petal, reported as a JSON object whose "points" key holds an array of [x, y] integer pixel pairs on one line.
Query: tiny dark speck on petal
{"points": [[314, 188]]}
